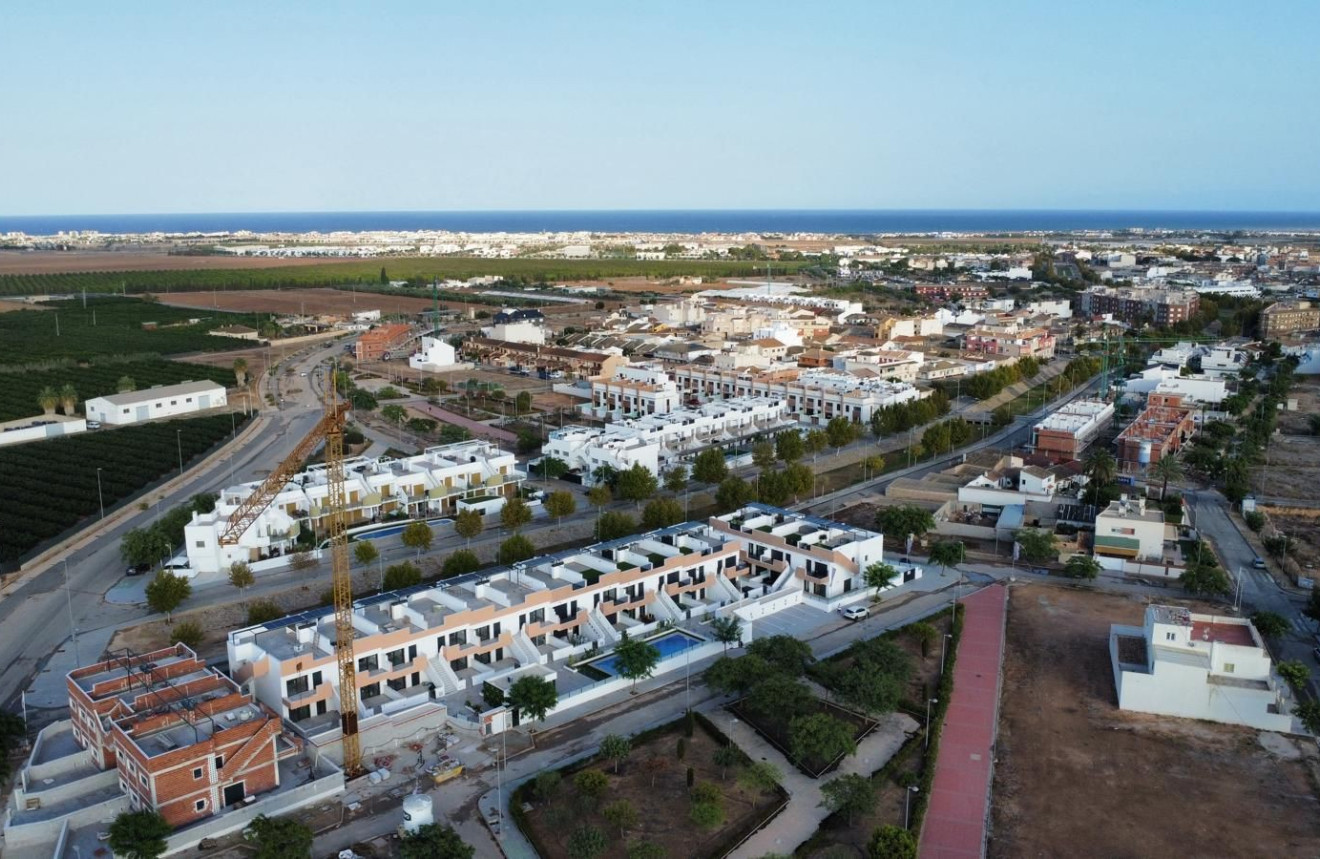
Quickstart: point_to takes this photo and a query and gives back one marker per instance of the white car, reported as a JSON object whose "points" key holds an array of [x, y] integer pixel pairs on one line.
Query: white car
{"points": [[856, 612]]}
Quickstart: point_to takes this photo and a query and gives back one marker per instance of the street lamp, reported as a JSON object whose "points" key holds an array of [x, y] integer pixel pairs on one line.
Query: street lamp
{"points": [[178, 437], [907, 805], [99, 496], [929, 701], [944, 641], [68, 599]]}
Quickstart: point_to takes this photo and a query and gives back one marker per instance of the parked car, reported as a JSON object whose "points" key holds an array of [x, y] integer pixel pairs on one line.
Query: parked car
{"points": [[93, 425], [1258, 563], [137, 569], [856, 612]]}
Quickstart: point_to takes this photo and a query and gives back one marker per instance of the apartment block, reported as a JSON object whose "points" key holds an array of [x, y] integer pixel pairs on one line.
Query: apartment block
{"points": [[440, 481], [422, 653], [1136, 306], [1010, 339], [1286, 318], [1159, 430], [1067, 432], [811, 396], [633, 391], [373, 345], [165, 401]]}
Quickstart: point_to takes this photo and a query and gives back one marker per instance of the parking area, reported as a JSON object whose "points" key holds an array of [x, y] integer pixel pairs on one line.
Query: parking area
{"points": [[799, 621]]}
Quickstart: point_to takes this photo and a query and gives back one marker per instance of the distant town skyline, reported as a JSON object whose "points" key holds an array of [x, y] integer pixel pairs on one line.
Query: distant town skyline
{"points": [[592, 106]]}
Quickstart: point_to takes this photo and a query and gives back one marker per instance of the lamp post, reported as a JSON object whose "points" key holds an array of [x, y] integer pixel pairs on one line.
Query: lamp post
{"points": [[929, 701], [99, 497], [178, 438], [907, 805], [943, 642], [68, 600]]}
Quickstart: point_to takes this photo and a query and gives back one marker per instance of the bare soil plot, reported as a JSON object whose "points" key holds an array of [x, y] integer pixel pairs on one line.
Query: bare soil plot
{"points": [[1076, 776], [59, 262], [660, 796]]}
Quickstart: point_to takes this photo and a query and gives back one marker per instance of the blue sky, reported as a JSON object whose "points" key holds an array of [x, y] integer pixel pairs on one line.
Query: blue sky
{"points": [[175, 107]]}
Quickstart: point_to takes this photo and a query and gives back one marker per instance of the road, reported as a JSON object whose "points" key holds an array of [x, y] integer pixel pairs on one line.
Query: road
{"points": [[35, 617]]}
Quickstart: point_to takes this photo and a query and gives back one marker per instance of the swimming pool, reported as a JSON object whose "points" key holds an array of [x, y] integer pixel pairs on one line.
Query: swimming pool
{"points": [[669, 644]]}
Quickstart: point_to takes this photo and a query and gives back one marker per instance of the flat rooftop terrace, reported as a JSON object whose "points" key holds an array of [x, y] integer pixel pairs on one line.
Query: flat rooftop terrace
{"points": [[1224, 633]]}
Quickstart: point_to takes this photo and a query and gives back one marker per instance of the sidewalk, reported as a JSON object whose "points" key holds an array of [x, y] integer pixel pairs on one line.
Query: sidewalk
{"points": [[955, 823]]}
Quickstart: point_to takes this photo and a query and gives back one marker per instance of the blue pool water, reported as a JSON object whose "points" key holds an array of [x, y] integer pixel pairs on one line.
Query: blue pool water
{"points": [[669, 644]]}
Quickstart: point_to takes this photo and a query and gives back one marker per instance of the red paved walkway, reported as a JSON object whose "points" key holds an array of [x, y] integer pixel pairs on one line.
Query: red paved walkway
{"points": [[954, 826], [475, 427]]}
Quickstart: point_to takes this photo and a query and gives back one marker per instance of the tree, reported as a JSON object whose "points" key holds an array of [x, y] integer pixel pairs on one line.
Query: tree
{"points": [[735, 676], [434, 841], [468, 524], [1100, 466], [516, 548], [69, 398], [144, 546], [515, 513], [677, 479], [533, 697], [878, 576], [394, 413], [905, 520], [799, 479], [166, 592], [710, 466], [948, 553], [925, 634], [1205, 578], [560, 503], [1312, 607], [759, 776], [1165, 469], [872, 465], [240, 576], [1270, 624], [1081, 567], [732, 494], [398, 576], [637, 484], [281, 837], [364, 552], [139, 834], [615, 747], [820, 737], [547, 784], [522, 403], [763, 455], [417, 535], [655, 765], [1308, 712], [726, 756], [891, 842], [661, 513], [621, 813], [707, 814], [1037, 545], [1237, 481], [240, 371], [125, 384], [586, 842], [1254, 518], [789, 446], [816, 440], [635, 659], [779, 697], [615, 524], [460, 563], [189, 633], [726, 630], [263, 611], [849, 795], [783, 652], [646, 850], [840, 431], [1295, 672]]}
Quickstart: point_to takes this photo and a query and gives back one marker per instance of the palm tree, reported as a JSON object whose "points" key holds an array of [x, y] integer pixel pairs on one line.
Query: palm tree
{"points": [[69, 397], [240, 371], [1101, 467], [1167, 468], [48, 400], [948, 553]]}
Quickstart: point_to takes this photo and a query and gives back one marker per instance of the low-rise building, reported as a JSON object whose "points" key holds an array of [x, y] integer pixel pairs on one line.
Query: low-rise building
{"points": [[634, 390], [165, 401], [1159, 430], [430, 484], [812, 396], [1067, 432], [238, 332], [1198, 666], [1128, 529], [376, 344], [542, 359], [1010, 339], [435, 355]]}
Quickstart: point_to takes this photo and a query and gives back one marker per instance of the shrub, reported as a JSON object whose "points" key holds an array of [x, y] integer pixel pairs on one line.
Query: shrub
{"points": [[263, 611], [189, 633], [591, 783]]}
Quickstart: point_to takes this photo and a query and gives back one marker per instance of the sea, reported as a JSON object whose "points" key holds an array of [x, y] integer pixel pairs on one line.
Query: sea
{"points": [[829, 221]]}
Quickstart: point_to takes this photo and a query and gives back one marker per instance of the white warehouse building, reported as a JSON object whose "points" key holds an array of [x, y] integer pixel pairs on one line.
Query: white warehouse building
{"points": [[166, 401], [432, 483]]}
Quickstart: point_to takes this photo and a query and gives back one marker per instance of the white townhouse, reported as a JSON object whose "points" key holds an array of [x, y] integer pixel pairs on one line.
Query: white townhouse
{"points": [[165, 401], [432, 483], [811, 396], [634, 390]]}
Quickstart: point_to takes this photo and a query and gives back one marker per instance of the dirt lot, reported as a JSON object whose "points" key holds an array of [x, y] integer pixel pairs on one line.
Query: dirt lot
{"points": [[1076, 776]]}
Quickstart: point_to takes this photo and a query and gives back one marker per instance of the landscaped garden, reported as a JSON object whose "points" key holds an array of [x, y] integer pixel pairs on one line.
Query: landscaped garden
{"points": [[677, 791], [52, 485]]}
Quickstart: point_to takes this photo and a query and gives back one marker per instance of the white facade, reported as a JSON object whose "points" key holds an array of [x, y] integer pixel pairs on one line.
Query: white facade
{"points": [[167, 401], [635, 389], [810, 396], [1221, 361], [656, 440], [1198, 666], [435, 355], [1127, 529], [429, 484], [795, 296], [516, 332]]}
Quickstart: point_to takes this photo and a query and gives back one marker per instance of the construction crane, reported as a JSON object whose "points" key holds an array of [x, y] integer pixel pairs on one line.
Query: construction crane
{"points": [[330, 431]]}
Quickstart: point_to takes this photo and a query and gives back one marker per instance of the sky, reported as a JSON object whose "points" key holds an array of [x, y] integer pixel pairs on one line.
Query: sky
{"points": [[138, 107]]}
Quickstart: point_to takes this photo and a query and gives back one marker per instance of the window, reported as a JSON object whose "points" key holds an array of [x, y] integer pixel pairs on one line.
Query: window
{"points": [[200, 805], [395, 657], [398, 684], [174, 402], [1229, 667], [197, 772], [371, 690], [219, 761], [143, 779], [296, 686], [1169, 636], [201, 544], [317, 680], [297, 714], [368, 663]]}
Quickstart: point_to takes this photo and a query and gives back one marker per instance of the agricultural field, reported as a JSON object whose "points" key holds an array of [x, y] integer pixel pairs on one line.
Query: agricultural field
{"points": [[368, 272], [19, 391], [52, 485], [68, 330]]}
